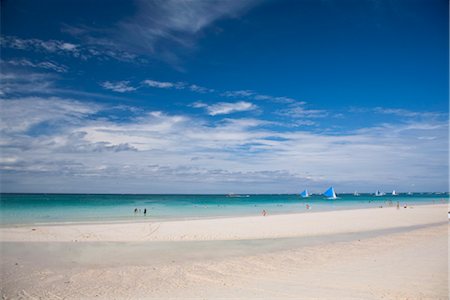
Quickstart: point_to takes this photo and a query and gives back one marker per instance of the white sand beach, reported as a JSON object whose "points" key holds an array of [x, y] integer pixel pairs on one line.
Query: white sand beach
{"points": [[355, 254], [237, 228]]}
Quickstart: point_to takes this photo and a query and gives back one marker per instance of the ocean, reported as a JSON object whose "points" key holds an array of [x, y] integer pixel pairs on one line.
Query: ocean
{"points": [[19, 209]]}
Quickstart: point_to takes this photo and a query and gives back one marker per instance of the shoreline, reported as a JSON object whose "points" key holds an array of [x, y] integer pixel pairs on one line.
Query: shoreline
{"points": [[150, 218], [232, 228]]}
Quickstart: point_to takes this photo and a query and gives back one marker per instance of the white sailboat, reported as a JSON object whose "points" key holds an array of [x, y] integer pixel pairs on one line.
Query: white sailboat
{"points": [[304, 194], [394, 193], [378, 193], [330, 193], [355, 193]]}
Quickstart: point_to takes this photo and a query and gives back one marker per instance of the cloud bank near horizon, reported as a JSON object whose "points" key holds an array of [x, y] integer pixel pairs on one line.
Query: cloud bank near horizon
{"points": [[151, 149]]}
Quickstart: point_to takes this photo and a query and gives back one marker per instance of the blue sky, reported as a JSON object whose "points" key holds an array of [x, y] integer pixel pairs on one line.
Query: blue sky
{"points": [[224, 96]]}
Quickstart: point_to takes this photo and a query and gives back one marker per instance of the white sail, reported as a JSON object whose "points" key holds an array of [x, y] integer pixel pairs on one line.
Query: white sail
{"points": [[378, 193], [330, 193], [355, 193], [394, 193], [304, 194]]}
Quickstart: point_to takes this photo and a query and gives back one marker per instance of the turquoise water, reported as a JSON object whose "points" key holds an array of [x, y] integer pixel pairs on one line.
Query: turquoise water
{"points": [[49, 208]]}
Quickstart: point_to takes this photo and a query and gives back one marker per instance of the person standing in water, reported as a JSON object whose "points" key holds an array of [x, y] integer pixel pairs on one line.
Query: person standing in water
{"points": [[145, 211]]}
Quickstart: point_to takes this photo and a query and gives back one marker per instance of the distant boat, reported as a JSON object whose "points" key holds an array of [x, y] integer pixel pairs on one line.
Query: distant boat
{"points": [[378, 193], [233, 195], [394, 193], [330, 193], [410, 193], [304, 194], [355, 193]]}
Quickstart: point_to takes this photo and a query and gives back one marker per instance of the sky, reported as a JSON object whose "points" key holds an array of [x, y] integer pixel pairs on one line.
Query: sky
{"points": [[239, 96]]}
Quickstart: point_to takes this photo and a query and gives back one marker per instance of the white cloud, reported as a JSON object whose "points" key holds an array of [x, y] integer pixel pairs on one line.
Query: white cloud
{"points": [[13, 82], [177, 85], [240, 93], [174, 21], [49, 65], [200, 89], [223, 108], [298, 110], [158, 152], [159, 29], [119, 86], [405, 113], [163, 84], [58, 47], [52, 46], [20, 114], [256, 96]]}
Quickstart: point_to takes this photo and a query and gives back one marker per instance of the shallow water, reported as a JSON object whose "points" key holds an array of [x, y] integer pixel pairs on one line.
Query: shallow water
{"points": [[51, 208]]}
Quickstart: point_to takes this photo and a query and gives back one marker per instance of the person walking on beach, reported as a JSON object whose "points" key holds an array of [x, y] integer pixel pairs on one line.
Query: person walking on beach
{"points": [[145, 211], [264, 213], [398, 205]]}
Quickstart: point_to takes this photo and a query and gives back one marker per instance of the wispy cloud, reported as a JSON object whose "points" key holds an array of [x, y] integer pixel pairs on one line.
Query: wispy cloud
{"points": [[118, 86], [174, 21], [256, 96], [160, 29], [239, 93], [16, 82], [224, 108], [176, 85], [298, 110], [51, 46], [200, 89], [163, 84], [405, 112], [58, 47], [49, 65], [21, 114]]}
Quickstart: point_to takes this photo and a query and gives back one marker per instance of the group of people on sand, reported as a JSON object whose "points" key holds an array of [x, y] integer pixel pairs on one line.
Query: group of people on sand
{"points": [[264, 212], [389, 203], [136, 211]]}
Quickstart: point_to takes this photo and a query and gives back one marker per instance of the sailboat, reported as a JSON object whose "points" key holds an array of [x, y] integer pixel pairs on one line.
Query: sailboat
{"points": [[304, 194], [378, 193], [394, 193], [330, 193], [355, 193]]}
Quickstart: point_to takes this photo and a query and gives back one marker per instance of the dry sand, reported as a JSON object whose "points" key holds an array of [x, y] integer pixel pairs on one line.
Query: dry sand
{"points": [[359, 254]]}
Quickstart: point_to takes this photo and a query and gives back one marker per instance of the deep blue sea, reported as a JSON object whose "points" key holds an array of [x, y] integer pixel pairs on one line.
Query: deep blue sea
{"points": [[50, 208]]}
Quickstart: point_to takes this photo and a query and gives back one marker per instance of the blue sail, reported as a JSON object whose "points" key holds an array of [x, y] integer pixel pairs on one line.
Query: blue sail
{"points": [[304, 194], [330, 193]]}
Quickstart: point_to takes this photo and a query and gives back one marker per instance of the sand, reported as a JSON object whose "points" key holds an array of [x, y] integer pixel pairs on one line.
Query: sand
{"points": [[257, 227], [356, 254]]}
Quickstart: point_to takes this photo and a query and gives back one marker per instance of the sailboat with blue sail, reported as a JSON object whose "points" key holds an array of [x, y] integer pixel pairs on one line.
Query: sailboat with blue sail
{"points": [[330, 193], [304, 194]]}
